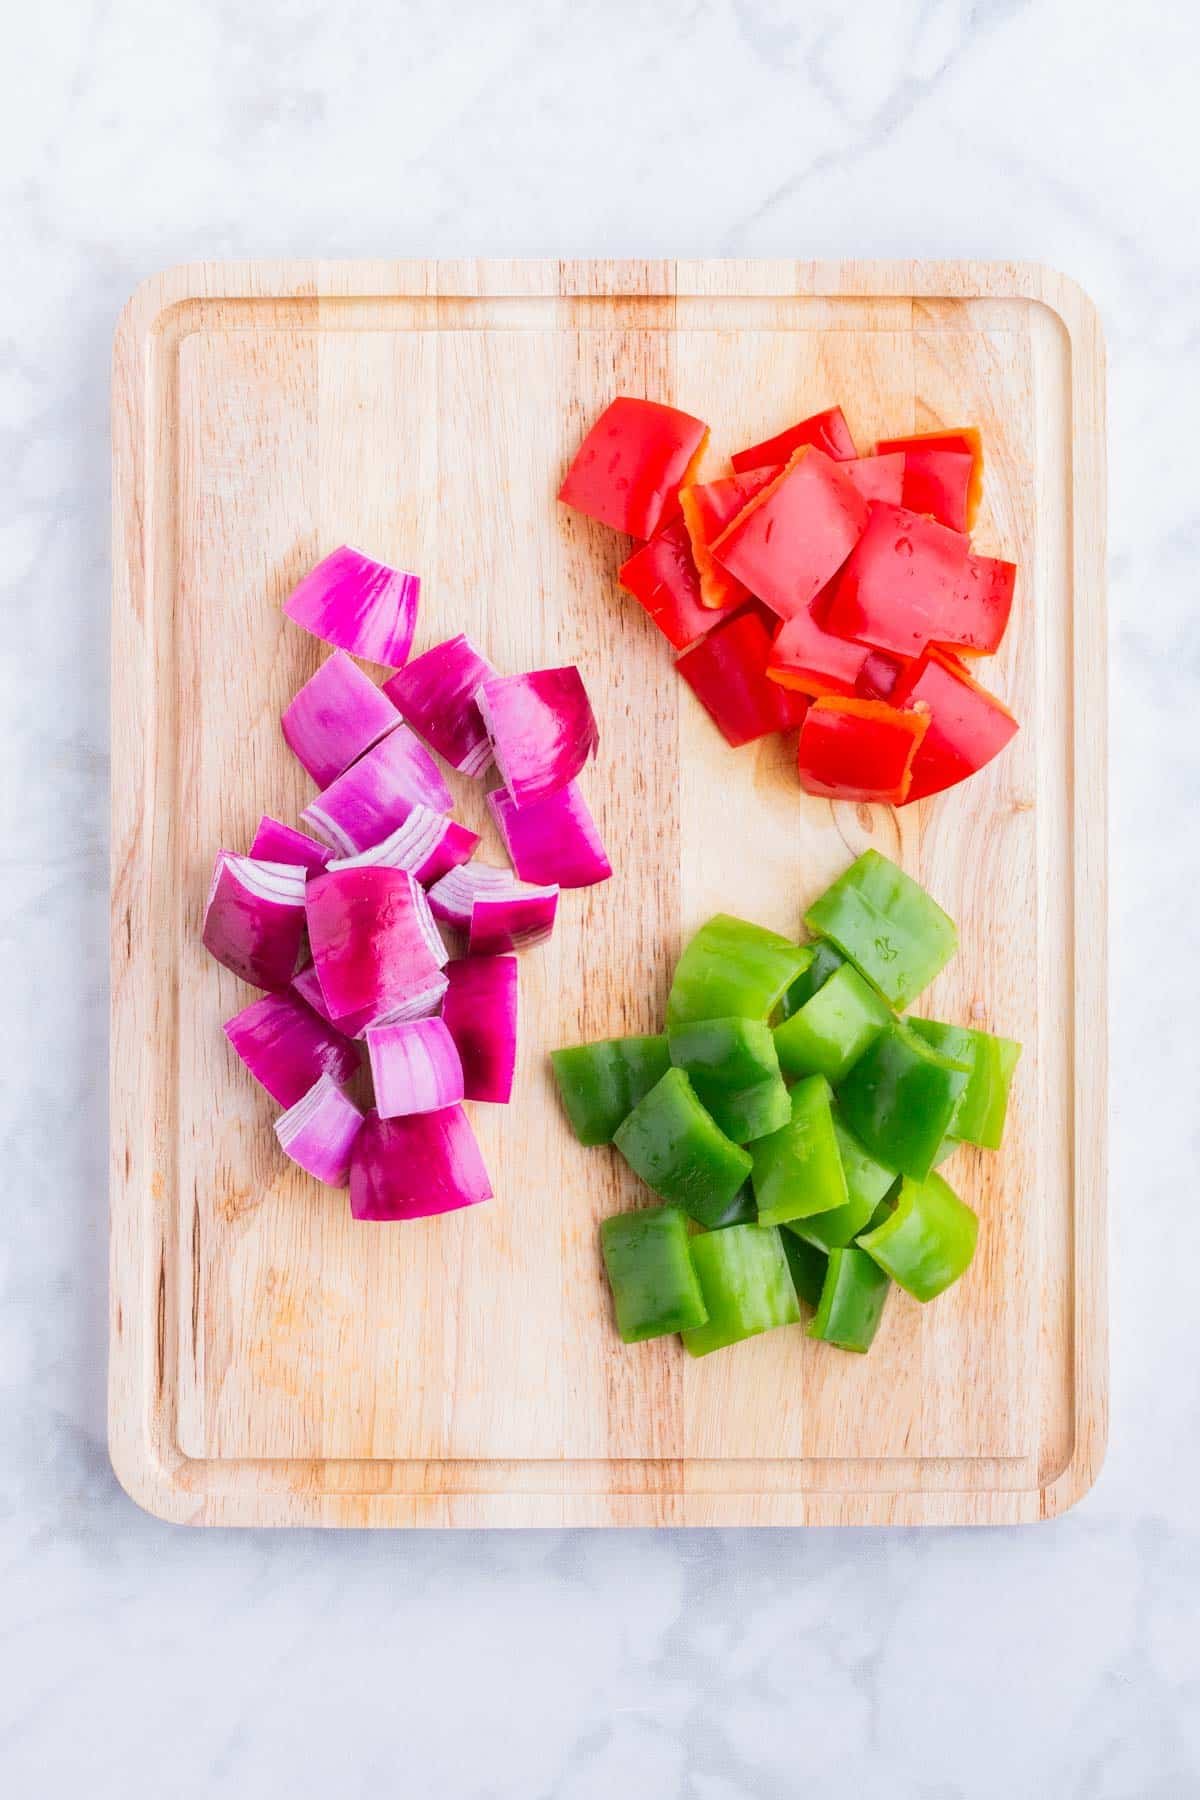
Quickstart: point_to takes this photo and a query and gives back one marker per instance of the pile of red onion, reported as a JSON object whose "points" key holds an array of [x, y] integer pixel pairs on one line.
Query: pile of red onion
{"points": [[340, 924]]}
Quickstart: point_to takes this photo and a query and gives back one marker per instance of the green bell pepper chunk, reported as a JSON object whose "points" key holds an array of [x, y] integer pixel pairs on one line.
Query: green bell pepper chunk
{"points": [[992, 1061], [746, 1284], [927, 1240], [601, 1083], [740, 1211], [899, 1099], [852, 1301], [867, 1181], [732, 969], [670, 1141], [807, 1264], [733, 1067], [798, 1170], [826, 960], [887, 925], [830, 1032], [654, 1285]]}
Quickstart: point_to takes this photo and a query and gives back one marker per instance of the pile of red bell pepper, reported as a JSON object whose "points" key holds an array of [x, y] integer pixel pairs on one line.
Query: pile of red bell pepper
{"points": [[815, 588]]}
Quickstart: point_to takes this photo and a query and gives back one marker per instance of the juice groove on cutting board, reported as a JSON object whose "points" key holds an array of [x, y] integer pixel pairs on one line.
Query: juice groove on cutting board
{"points": [[271, 1361]]}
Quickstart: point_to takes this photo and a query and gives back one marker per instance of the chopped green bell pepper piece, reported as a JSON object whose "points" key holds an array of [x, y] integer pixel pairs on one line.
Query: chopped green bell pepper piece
{"points": [[830, 1032], [826, 960], [672, 1143], [867, 1181], [992, 1060], [733, 1067], [740, 1211], [746, 1284], [899, 1099], [852, 1301], [654, 1285], [798, 1171], [927, 1240], [732, 969], [887, 925], [807, 1264], [601, 1083]]}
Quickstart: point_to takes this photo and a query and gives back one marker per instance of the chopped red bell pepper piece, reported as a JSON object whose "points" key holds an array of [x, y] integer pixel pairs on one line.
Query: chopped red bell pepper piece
{"points": [[881, 675], [811, 660], [707, 509], [859, 750], [935, 486], [827, 431], [726, 671], [629, 468], [967, 725], [878, 477], [795, 535], [902, 586], [982, 605], [663, 578]]}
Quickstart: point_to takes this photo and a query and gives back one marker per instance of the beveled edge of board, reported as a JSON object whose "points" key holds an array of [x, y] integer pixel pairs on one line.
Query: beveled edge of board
{"points": [[148, 1466]]}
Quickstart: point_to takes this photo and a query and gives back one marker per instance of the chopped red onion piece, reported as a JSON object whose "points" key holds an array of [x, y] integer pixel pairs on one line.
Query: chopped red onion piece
{"points": [[415, 1067], [354, 1024], [254, 919], [552, 840], [377, 793], [497, 911], [480, 1011], [287, 1047], [374, 943], [335, 717], [542, 729], [319, 1132], [360, 605], [436, 694], [452, 899], [414, 1167], [274, 842], [428, 843]]}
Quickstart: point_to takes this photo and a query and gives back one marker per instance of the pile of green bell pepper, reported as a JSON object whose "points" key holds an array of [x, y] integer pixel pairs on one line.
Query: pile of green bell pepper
{"points": [[793, 1123]]}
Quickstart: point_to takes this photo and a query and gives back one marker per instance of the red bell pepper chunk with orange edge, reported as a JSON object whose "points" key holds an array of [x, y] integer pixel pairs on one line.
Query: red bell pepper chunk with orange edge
{"points": [[859, 750], [629, 468], [967, 725], [811, 660], [726, 671], [902, 586], [707, 509], [794, 536], [877, 477], [663, 578], [827, 431], [951, 492], [982, 606]]}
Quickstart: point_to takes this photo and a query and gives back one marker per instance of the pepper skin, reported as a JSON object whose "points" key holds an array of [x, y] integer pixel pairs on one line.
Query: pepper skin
{"points": [[727, 672], [808, 1265], [662, 577], [795, 535], [902, 585], [992, 1061], [631, 465], [859, 750], [672, 1143], [887, 925], [827, 431], [654, 1285], [798, 1170], [826, 958], [899, 1099], [867, 1185], [601, 1083], [829, 1034], [734, 1069], [746, 1284], [852, 1301], [708, 508], [963, 441], [733, 969], [928, 1239], [967, 726]]}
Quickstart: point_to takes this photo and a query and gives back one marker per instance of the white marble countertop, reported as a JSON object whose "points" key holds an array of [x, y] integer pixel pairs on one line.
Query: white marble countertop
{"points": [[137, 1658]]}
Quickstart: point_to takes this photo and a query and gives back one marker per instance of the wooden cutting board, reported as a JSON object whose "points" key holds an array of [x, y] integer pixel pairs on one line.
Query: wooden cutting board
{"points": [[274, 1363]]}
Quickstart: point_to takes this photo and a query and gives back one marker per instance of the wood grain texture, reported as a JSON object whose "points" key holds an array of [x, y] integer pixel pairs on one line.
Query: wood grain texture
{"points": [[273, 1363]]}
